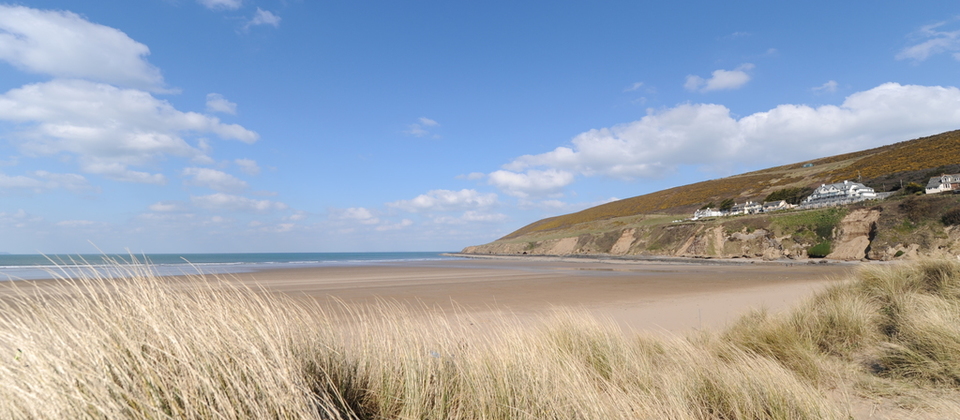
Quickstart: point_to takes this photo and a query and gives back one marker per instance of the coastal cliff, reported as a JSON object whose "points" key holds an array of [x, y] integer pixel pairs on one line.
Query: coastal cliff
{"points": [[902, 227]]}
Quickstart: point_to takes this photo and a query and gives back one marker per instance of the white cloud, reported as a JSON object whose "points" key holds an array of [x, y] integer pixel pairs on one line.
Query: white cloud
{"points": [[830, 86], [358, 214], [935, 42], [248, 166], [720, 79], [221, 4], [420, 129], [446, 200], [263, 17], [228, 202], [532, 183], [108, 128], [707, 134], [213, 179], [63, 44], [634, 87], [217, 103]]}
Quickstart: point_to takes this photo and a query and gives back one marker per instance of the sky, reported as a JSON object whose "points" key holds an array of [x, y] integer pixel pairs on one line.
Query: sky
{"points": [[168, 126]]}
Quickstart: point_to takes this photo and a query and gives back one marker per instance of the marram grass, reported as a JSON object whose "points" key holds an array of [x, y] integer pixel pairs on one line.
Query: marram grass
{"points": [[152, 348]]}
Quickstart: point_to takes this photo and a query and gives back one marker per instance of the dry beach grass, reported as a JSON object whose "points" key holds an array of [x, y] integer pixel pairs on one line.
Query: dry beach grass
{"points": [[145, 347]]}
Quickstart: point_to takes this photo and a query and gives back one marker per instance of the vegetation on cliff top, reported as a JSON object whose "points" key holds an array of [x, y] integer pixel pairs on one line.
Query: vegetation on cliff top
{"points": [[882, 168]]}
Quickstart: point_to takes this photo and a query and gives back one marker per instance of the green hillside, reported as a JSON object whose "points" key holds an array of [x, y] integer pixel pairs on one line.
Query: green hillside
{"points": [[883, 168]]}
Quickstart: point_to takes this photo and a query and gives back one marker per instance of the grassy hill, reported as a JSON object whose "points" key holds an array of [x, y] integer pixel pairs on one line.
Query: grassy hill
{"points": [[883, 168]]}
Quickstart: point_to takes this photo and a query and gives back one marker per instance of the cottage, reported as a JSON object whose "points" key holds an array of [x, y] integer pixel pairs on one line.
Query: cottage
{"points": [[939, 184], [749, 207], [839, 193], [776, 205]]}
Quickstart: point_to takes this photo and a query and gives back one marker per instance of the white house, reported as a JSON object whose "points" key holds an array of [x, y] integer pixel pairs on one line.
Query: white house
{"points": [[776, 205], [939, 184], [749, 207], [707, 212], [839, 193]]}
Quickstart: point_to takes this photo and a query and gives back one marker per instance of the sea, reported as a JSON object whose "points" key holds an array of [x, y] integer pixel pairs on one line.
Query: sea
{"points": [[28, 267]]}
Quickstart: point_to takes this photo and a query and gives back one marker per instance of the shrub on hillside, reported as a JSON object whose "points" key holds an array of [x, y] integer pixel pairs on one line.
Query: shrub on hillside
{"points": [[791, 195], [819, 250], [916, 209], [912, 188], [726, 204], [951, 217]]}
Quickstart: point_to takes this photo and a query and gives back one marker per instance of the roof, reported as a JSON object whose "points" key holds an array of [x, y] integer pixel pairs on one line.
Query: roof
{"points": [[945, 178]]}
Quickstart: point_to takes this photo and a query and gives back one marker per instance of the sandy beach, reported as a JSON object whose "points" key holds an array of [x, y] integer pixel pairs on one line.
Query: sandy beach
{"points": [[650, 296]]}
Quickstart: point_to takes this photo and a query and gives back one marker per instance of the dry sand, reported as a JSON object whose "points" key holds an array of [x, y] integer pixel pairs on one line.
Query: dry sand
{"points": [[637, 295], [651, 296]]}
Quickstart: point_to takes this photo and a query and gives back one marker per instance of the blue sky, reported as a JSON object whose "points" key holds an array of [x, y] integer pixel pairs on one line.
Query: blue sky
{"points": [[259, 125]]}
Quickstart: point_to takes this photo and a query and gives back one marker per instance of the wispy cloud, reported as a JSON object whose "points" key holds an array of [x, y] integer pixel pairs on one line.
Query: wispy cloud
{"points": [[42, 181], [829, 87], [217, 103], [262, 17], [221, 4], [935, 41], [422, 128], [634, 87], [248, 166]]}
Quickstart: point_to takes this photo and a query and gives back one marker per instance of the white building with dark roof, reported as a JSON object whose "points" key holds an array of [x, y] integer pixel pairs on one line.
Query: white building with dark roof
{"points": [[845, 192], [939, 184], [776, 205], [749, 207]]}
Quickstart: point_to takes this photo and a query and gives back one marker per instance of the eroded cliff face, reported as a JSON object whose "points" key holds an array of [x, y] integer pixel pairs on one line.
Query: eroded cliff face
{"points": [[853, 238], [854, 235], [682, 241]]}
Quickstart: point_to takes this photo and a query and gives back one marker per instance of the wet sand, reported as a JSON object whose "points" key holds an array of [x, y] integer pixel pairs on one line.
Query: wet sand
{"points": [[648, 296]]}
